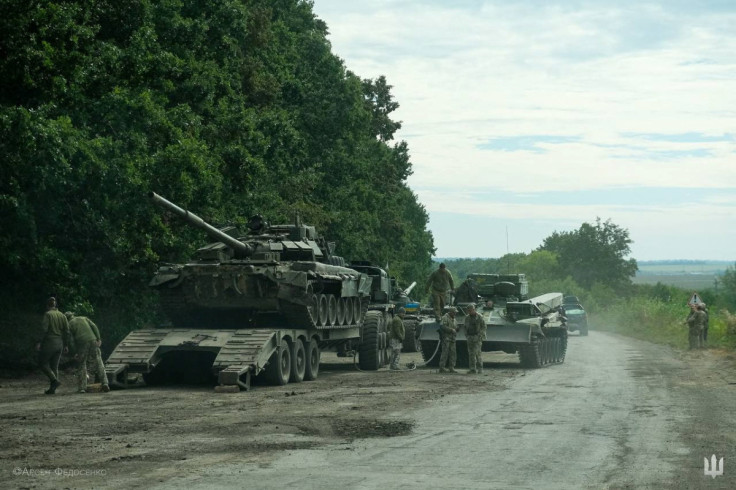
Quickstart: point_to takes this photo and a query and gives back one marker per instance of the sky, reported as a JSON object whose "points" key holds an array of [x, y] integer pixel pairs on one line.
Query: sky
{"points": [[527, 117]]}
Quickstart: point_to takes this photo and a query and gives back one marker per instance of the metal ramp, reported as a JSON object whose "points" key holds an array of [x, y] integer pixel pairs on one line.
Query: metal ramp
{"points": [[245, 353], [240, 354], [134, 352]]}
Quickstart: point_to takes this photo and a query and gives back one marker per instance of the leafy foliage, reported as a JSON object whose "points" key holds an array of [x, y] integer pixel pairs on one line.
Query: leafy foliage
{"points": [[594, 254], [227, 108]]}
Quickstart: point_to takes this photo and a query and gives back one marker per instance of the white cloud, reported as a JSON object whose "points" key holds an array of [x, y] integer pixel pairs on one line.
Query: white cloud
{"points": [[599, 74]]}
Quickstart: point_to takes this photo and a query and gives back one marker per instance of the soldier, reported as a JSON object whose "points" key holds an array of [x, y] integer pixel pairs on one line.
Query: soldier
{"points": [[695, 322], [85, 337], [396, 338], [439, 282], [52, 344], [475, 331], [449, 331], [704, 309]]}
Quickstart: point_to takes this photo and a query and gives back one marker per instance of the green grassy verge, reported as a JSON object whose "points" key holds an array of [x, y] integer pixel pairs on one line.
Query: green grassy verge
{"points": [[663, 323]]}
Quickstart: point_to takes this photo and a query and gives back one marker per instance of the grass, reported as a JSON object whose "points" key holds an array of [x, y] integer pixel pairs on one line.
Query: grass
{"points": [[664, 323]]}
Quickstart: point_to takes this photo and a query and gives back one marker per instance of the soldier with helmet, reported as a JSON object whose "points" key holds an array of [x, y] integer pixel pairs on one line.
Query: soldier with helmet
{"points": [[696, 323], [475, 332], [85, 337], [448, 329]]}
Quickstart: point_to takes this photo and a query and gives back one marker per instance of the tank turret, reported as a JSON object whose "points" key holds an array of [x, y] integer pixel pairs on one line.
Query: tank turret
{"points": [[272, 275]]}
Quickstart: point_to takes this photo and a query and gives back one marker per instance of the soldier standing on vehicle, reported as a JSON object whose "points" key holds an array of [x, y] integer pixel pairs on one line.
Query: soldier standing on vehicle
{"points": [[439, 282], [396, 338], [475, 332], [695, 322], [85, 337], [52, 344], [448, 330]]}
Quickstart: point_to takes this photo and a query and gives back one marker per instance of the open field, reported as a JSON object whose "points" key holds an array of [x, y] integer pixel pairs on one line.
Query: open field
{"points": [[694, 275]]}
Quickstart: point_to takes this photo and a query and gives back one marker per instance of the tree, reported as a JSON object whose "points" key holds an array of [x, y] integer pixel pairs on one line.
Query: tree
{"points": [[594, 253]]}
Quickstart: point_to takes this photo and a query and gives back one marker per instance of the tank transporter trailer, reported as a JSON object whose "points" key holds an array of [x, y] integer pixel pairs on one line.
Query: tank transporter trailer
{"points": [[267, 301]]}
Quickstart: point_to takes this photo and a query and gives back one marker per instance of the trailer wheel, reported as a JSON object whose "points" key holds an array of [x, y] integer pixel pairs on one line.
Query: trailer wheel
{"points": [[368, 354], [278, 368], [311, 370], [298, 361]]}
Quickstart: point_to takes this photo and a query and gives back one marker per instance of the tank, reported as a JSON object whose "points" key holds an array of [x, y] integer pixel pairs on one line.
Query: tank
{"points": [[270, 276], [534, 328]]}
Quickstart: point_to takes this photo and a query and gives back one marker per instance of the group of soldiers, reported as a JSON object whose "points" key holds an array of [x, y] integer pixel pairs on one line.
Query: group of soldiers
{"points": [[697, 322], [438, 284], [62, 331]]}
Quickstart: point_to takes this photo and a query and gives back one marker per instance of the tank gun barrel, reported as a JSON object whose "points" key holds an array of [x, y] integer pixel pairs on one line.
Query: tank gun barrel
{"points": [[198, 222], [411, 286]]}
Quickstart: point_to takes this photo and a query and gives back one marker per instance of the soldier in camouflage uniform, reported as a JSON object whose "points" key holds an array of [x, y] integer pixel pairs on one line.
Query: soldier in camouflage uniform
{"points": [[448, 330], [396, 338], [439, 282], [475, 332], [85, 337], [696, 323], [52, 344]]}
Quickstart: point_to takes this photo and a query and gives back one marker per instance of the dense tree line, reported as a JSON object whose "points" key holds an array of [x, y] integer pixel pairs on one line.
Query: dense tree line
{"points": [[227, 108]]}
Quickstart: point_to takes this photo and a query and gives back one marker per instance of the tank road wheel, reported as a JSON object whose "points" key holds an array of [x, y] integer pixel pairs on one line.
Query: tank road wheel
{"points": [[278, 368], [368, 353], [357, 310], [323, 315], [312, 304], [340, 311], [331, 310], [298, 361], [348, 310], [311, 370]]}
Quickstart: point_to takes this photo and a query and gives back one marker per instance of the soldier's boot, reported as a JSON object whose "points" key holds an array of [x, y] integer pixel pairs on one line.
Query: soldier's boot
{"points": [[451, 370], [52, 388], [443, 370], [105, 388]]}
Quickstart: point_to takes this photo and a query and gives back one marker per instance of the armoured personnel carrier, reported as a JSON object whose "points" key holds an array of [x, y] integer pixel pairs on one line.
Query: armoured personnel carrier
{"points": [[269, 299], [534, 328]]}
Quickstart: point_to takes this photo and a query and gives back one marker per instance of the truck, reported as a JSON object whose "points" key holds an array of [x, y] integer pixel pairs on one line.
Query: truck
{"points": [[266, 301]]}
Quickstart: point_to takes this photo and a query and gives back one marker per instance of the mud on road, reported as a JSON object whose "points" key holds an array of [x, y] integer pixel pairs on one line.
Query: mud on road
{"points": [[137, 437]]}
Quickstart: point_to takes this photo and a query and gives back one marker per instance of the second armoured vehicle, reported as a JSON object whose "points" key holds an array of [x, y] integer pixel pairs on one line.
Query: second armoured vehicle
{"points": [[385, 297], [534, 328], [268, 299]]}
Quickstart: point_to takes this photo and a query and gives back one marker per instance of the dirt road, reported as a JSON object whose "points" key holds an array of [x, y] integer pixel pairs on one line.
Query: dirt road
{"points": [[618, 414]]}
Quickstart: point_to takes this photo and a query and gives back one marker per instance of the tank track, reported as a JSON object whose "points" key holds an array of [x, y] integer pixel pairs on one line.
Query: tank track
{"points": [[544, 351]]}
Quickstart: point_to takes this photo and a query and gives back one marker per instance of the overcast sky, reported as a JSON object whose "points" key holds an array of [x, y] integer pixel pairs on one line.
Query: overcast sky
{"points": [[536, 116]]}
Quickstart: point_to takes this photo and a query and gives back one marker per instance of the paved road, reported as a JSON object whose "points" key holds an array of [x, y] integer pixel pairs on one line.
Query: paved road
{"points": [[618, 414]]}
